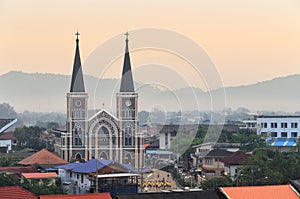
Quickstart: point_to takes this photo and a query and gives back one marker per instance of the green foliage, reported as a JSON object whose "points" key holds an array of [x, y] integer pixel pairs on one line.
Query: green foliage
{"points": [[29, 137], [33, 186], [7, 111], [6, 161], [270, 167], [216, 182], [9, 180]]}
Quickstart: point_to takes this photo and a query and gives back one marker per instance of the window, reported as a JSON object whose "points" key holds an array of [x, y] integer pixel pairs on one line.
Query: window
{"points": [[103, 137], [264, 125], [77, 176], [283, 125], [294, 134], [294, 125], [284, 134], [166, 139], [81, 178], [208, 161], [273, 125], [274, 134], [128, 134], [70, 174]]}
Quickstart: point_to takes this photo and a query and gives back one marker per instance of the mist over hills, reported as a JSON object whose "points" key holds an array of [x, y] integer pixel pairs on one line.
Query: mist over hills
{"points": [[47, 93]]}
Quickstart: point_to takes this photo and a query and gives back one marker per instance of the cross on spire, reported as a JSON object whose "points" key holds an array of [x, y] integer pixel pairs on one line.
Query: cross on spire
{"points": [[126, 34], [77, 34]]}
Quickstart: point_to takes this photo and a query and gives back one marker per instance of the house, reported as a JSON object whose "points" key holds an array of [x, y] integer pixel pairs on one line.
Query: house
{"points": [[6, 139], [106, 175], [233, 161], [202, 150], [258, 192], [50, 177], [78, 196], [15, 192], [43, 160], [211, 165]]}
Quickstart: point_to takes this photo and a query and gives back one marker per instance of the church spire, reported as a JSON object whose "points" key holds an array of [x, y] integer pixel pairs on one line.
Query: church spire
{"points": [[127, 80], [77, 84]]}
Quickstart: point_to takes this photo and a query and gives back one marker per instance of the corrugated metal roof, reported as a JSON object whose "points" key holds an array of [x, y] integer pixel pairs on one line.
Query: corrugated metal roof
{"points": [[260, 192], [78, 196], [40, 175], [90, 166], [69, 166], [15, 192]]}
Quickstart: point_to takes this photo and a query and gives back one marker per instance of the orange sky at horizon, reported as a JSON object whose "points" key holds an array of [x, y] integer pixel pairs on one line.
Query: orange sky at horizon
{"points": [[249, 41]]}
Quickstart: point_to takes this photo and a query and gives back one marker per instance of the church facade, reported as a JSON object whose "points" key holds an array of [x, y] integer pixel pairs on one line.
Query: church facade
{"points": [[104, 135]]}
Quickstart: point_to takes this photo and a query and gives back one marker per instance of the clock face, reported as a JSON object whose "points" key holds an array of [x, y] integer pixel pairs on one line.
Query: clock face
{"points": [[78, 103], [128, 103]]}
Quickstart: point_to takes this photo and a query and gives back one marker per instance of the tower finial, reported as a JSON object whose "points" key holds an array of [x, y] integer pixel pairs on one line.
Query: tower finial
{"points": [[126, 34], [77, 34]]}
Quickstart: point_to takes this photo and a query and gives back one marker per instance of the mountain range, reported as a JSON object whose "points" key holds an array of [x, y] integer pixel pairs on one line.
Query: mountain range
{"points": [[47, 93]]}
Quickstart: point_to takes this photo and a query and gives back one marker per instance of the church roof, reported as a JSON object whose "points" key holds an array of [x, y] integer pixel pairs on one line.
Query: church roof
{"points": [[103, 111], [77, 84], [127, 79], [43, 157]]}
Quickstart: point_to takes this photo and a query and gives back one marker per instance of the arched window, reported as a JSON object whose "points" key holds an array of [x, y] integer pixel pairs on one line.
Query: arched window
{"points": [[128, 159], [103, 137], [128, 134]]}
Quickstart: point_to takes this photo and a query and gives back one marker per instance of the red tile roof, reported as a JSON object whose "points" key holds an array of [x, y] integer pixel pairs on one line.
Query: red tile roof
{"points": [[78, 196], [260, 192], [236, 158], [19, 169], [43, 157], [40, 175], [15, 192], [7, 136]]}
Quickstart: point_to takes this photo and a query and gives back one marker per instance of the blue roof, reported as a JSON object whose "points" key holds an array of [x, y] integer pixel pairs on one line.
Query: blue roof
{"points": [[130, 167], [90, 166], [291, 143], [284, 142], [69, 166]]}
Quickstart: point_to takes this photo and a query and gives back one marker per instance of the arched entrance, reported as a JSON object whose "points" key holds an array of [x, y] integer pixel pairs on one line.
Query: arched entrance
{"points": [[103, 155], [128, 159], [78, 157]]}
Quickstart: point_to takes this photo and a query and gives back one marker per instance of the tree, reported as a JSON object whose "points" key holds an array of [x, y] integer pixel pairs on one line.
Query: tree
{"points": [[30, 137], [7, 111], [216, 182]]}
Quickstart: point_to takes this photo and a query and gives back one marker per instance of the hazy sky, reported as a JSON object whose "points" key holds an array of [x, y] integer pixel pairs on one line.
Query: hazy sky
{"points": [[249, 41]]}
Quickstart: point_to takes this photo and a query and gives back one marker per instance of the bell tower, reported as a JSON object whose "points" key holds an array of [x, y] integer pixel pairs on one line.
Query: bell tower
{"points": [[77, 99], [127, 112]]}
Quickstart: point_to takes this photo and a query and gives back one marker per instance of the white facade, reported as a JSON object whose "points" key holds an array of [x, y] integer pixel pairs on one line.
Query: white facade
{"points": [[279, 126], [164, 140], [74, 183], [6, 143]]}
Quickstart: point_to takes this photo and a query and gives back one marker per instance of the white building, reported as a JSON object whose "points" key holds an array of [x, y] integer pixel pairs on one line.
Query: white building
{"points": [[282, 131]]}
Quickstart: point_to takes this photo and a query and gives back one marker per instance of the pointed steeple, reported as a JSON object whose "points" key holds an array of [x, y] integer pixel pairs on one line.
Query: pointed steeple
{"points": [[127, 79], [77, 84]]}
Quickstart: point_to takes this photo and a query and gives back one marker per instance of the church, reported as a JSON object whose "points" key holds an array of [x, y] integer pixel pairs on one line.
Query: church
{"points": [[104, 135]]}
